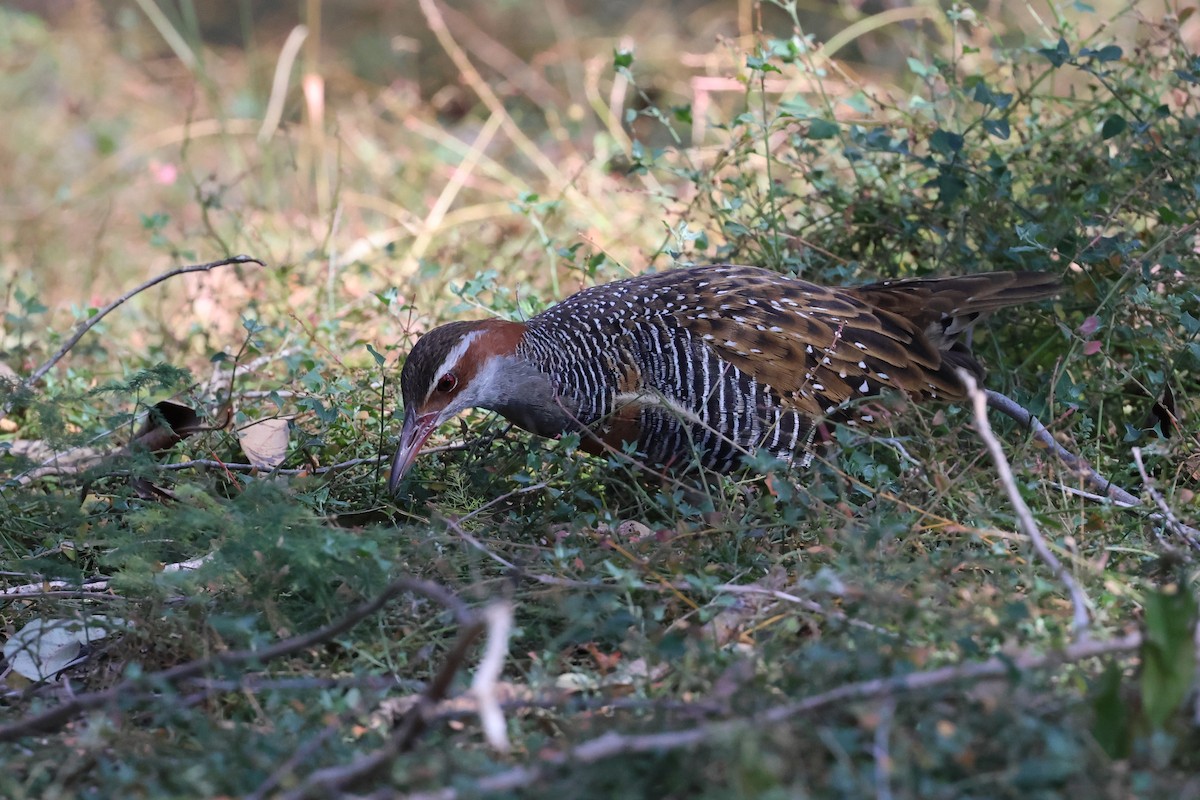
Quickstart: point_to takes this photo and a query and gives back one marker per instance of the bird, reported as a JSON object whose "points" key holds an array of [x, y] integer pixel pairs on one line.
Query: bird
{"points": [[703, 365]]}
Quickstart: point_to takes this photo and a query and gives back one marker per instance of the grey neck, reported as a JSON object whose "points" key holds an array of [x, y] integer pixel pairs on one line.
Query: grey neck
{"points": [[526, 397]]}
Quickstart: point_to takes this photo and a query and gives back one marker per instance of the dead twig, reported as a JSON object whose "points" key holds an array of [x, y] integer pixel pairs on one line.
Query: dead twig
{"points": [[97, 587], [612, 745], [94, 320], [497, 619], [1112, 493], [50, 468], [1011, 408], [1080, 606], [1170, 521]]}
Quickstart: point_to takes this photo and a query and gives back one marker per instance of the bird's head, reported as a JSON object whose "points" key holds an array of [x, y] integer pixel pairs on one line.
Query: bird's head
{"points": [[466, 365], [446, 373]]}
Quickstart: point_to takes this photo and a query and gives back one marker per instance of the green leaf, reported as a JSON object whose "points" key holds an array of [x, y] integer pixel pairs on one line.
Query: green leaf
{"points": [[944, 142], [997, 127], [1112, 126], [1110, 53], [622, 59], [1168, 653], [982, 94], [822, 129], [1111, 725], [950, 187], [1187, 76], [920, 68], [759, 64], [379, 359], [1059, 54]]}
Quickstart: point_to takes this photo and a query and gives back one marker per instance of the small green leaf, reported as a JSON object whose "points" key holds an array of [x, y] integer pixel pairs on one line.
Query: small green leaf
{"points": [[622, 59], [1057, 55], [982, 94], [1188, 76], [822, 129], [950, 187], [379, 359], [920, 68], [1112, 126], [944, 142], [997, 127], [1111, 725], [1191, 325], [1109, 53], [1168, 653], [759, 64]]}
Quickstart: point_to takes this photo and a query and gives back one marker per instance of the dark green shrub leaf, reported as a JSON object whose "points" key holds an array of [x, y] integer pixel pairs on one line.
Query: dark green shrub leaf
{"points": [[1188, 76], [950, 186], [1112, 126], [1111, 724], [1057, 55], [1110, 53], [1191, 325], [822, 129], [945, 142], [997, 127], [1168, 653]]}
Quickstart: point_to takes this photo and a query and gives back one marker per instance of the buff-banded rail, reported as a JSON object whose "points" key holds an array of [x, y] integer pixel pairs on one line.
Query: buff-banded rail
{"points": [[705, 364]]}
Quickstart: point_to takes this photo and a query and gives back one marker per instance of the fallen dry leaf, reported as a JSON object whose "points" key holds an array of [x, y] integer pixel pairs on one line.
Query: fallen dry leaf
{"points": [[265, 442], [167, 424]]}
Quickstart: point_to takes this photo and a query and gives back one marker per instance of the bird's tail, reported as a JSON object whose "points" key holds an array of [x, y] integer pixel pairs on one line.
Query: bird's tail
{"points": [[929, 299]]}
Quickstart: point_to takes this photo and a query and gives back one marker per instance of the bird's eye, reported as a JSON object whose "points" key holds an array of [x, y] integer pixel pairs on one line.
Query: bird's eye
{"points": [[446, 383]]}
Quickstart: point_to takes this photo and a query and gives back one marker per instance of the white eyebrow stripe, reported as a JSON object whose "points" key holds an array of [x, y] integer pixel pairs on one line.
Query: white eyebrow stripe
{"points": [[452, 359]]}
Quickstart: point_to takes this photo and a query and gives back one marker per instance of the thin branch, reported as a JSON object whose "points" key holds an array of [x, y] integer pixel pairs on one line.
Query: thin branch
{"points": [[787, 597], [1080, 614], [1112, 493], [611, 745], [50, 468], [499, 619], [237, 467], [1009, 407], [333, 781], [95, 587], [1170, 521], [1095, 498], [880, 752], [302, 754], [93, 321], [536, 487], [68, 710]]}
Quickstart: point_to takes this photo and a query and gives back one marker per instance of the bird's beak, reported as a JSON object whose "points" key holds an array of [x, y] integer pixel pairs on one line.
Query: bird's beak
{"points": [[412, 437]]}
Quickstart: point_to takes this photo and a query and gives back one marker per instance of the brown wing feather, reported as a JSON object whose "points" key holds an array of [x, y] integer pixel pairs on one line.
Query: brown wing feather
{"points": [[819, 347]]}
